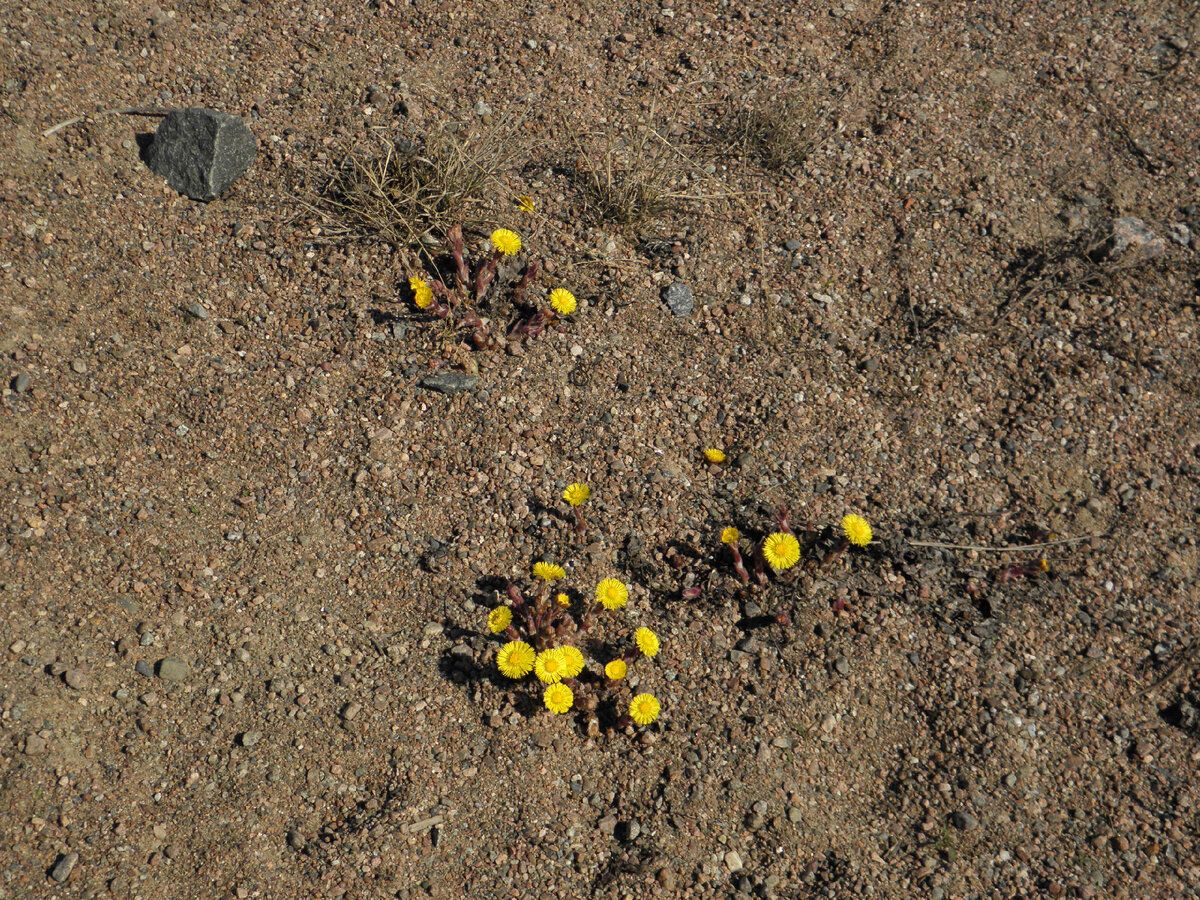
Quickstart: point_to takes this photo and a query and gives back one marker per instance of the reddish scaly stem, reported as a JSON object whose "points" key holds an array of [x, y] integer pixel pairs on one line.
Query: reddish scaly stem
{"points": [[531, 271], [485, 275], [784, 525], [455, 238], [738, 565]]}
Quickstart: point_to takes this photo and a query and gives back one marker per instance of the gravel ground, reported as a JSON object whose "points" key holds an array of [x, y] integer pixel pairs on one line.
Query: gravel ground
{"points": [[246, 560]]}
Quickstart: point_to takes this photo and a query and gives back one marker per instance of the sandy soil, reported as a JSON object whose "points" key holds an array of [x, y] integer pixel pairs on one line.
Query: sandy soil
{"points": [[247, 560]]}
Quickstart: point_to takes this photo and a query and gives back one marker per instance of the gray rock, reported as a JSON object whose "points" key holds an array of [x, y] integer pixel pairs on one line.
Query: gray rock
{"points": [[1128, 234], [351, 710], [63, 868], [173, 669], [627, 832], [249, 738], [963, 820], [196, 311], [201, 152], [733, 859], [76, 679], [21, 382], [679, 299], [1178, 232], [451, 383], [842, 665], [791, 245], [144, 668]]}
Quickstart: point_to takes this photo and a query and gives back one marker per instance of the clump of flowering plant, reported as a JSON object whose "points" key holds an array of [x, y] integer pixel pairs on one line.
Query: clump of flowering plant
{"points": [[542, 637], [781, 549], [458, 294]]}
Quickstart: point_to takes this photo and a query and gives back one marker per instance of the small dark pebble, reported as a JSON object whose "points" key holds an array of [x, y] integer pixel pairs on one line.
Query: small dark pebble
{"points": [[21, 383], [63, 868], [679, 299], [452, 383]]}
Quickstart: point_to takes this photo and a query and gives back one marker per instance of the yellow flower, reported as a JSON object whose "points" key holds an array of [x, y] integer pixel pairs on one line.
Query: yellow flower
{"points": [[558, 698], [506, 242], [562, 599], [574, 661], [730, 535], [515, 659], [647, 641], [781, 550], [576, 494], [525, 202], [1044, 564], [422, 293], [548, 571], [563, 301], [499, 619], [713, 455], [858, 531], [616, 670], [612, 594], [644, 708], [550, 666]]}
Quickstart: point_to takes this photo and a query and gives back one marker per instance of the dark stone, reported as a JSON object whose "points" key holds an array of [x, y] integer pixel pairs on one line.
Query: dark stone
{"points": [[201, 152], [63, 868], [791, 245], [452, 383], [171, 668], [963, 820], [21, 382], [679, 299]]}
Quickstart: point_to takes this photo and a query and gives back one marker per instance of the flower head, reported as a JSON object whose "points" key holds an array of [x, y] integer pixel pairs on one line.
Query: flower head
{"points": [[550, 666], [525, 202], [781, 550], [499, 619], [548, 571], [730, 535], [515, 659], [857, 530], [647, 642], [644, 708], [562, 599], [713, 455], [563, 301], [612, 594], [574, 660], [558, 698], [506, 242], [577, 494], [616, 670], [422, 293]]}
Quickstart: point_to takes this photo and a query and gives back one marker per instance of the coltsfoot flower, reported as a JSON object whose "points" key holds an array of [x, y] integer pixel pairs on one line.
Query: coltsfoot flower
{"points": [[558, 699], [499, 619], [574, 661], [516, 659], [577, 494], [562, 599], [616, 670], [422, 292], [647, 642], [548, 571], [644, 708], [551, 666], [857, 530], [612, 594], [506, 242], [713, 455], [563, 301], [525, 202], [730, 535], [781, 550]]}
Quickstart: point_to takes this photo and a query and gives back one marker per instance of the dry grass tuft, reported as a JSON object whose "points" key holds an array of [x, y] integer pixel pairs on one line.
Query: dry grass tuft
{"points": [[628, 181], [779, 134], [409, 193]]}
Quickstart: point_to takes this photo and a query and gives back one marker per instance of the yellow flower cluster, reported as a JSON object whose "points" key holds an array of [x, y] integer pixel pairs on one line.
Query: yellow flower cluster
{"points": [[422, 292], [730, 535], [713, 455], [577, 494], [857, 530], [616, 670], [558, 699], [548, 571], [499, 619], [507, 243], [647, 642], [516, 659], [644, 708], [612, 594], [563, 301], [781, 550]]}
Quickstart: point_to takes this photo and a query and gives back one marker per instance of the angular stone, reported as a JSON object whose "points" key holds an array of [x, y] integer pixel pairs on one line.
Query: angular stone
{"points": [[63, 868], [1129, 234], [451, 383], [21, 382], [679, 299], [171, 668], [201, 152]]}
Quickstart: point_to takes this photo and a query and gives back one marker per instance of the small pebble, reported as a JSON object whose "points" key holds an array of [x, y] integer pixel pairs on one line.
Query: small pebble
{"points": [[64, 867], [173, 669]]}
